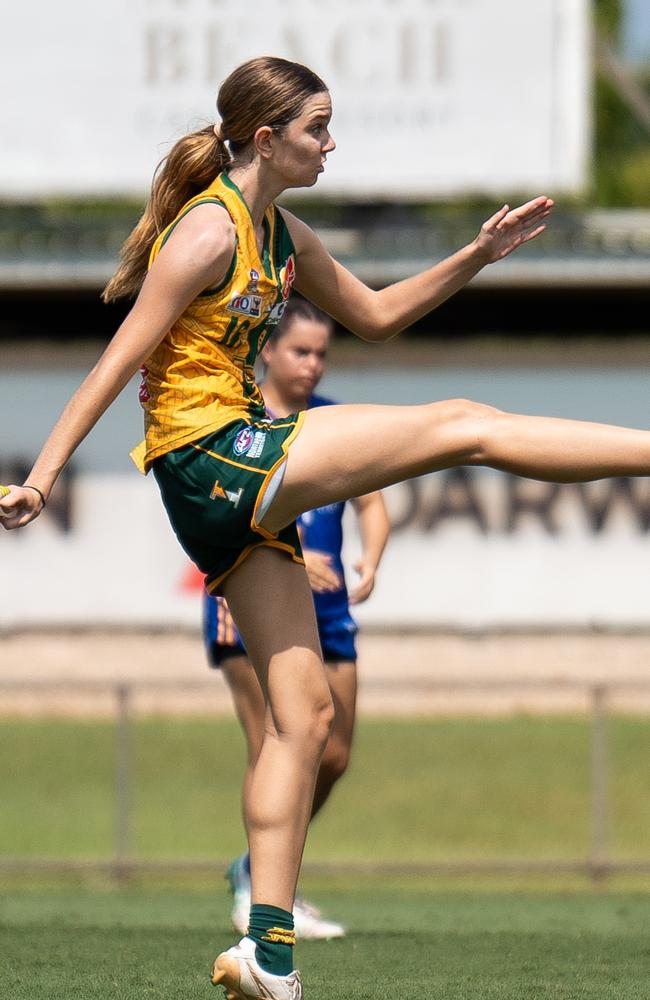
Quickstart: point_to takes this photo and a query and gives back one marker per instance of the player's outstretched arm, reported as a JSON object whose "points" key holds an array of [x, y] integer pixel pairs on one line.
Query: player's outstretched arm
{"points": [[195, 257], [374, 527], [379, 315]]}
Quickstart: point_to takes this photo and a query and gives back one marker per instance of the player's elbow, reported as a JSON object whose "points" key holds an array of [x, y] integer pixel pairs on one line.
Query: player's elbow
{"points": [[375, 326], [375, 334]]}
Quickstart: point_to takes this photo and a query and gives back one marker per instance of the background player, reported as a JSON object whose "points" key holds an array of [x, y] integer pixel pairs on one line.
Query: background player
{"points": [[294, 362]]}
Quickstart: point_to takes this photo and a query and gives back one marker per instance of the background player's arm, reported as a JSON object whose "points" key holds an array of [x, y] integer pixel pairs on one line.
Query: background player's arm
{"points": [[196, 257], [374, 527], [323, 579], [379, 315]]}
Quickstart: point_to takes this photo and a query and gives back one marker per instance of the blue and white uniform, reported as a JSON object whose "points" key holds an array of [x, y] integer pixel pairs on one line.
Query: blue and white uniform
{"points": [[322, 530]]}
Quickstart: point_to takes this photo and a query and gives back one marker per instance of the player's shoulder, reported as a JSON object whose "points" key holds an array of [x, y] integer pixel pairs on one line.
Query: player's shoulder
{"points": [[206, 233], [320, 401]]}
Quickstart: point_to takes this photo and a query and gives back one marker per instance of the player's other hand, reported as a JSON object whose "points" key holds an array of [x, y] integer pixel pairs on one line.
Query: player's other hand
{"points": [[19, 506], [322, 578], [366, 584], [510, 227]]}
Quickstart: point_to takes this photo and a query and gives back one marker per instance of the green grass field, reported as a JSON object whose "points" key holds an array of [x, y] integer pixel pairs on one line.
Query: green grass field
{"points": [[419, 790], [402, 943]]}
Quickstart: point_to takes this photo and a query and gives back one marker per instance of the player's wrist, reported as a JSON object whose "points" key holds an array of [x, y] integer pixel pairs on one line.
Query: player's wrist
{"points": [[37, 490]]}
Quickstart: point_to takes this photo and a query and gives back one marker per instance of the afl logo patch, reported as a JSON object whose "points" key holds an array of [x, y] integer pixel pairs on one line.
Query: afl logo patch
{"points": [[243, 441]]}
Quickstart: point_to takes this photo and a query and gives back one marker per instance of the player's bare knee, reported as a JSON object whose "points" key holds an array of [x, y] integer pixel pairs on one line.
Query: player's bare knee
{"points": [[309, 725], [473, 428]]}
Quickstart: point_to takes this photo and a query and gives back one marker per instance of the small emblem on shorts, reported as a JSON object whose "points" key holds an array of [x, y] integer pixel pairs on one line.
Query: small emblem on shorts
{"points": [[218, 493], [249, 443], [257, 446], [246, 305], [243, 441]]}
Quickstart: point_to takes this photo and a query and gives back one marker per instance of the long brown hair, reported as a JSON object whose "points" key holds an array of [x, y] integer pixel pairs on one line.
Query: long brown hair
{"points": [[263, 91]]}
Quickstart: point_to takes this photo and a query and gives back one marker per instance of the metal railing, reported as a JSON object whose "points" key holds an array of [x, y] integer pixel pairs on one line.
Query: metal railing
{"points": [[597, 864], [77, 248]]}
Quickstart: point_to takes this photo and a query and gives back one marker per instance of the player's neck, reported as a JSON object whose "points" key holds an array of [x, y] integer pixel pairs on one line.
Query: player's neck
{"points": [[258, 190]]}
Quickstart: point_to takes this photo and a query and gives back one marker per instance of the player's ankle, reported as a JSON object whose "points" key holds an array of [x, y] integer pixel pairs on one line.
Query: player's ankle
{"points": [[271, 928]]}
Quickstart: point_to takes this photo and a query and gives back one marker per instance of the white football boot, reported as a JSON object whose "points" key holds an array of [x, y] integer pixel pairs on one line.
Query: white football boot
{"points": [[309, 924], [243, 979], [240, 887]]}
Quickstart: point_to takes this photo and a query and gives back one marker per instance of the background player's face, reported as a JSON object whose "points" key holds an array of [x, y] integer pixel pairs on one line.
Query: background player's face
{"points": [[295, 363], [301, 153]]}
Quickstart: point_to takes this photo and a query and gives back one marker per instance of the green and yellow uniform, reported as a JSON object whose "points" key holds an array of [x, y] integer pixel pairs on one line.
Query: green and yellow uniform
{"points": [[212, 449]]}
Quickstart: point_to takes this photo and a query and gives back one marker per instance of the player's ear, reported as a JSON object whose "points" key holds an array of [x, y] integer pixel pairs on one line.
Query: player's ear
{"points": [[267, 352], [263, 141]]}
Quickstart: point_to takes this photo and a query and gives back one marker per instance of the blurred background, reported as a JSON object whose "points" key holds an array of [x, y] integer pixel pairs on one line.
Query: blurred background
{"points": [[511, 620]]}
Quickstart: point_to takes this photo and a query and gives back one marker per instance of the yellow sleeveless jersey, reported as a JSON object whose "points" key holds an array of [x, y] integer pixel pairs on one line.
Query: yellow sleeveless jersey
{"points": [[201, 375]]}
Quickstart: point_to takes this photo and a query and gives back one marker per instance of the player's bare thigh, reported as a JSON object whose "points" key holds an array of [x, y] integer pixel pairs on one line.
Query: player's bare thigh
{"points": [[349, 450], [271, 601]]}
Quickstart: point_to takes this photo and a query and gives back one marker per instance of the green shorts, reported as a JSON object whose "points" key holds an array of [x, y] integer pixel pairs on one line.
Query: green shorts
{"points": [[217, 489]]}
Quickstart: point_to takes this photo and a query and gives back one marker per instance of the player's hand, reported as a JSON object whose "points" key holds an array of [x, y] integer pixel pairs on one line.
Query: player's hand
{"points": [[18, 506], [366, 584], [322, 578], [510, 227]]}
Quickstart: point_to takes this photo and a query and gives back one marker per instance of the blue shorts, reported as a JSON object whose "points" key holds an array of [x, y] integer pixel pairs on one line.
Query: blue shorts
{"points": [[337, 635]]}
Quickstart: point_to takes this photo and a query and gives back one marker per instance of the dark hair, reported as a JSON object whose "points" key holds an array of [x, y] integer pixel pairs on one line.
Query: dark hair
{"points": [[264, 91], [299, 308]]}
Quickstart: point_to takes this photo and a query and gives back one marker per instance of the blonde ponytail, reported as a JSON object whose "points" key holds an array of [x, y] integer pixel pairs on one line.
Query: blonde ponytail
{"points": [[189, 167]]}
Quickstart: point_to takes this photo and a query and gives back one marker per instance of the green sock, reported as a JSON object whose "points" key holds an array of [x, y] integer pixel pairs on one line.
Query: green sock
{"points": [[272, 931]]}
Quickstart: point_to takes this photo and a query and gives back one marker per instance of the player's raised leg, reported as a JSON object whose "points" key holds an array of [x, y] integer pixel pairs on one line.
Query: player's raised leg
{"points": [[345, 451]]}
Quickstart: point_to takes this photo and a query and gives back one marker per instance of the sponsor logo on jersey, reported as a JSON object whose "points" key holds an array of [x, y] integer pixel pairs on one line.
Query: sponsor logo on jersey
{"points": [[143, 391], [276, 313], [246, 305], [288, 276]]}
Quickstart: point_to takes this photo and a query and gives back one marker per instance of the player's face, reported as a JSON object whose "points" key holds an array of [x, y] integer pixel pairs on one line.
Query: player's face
{"points": [[295, 363], [300, 155]]}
